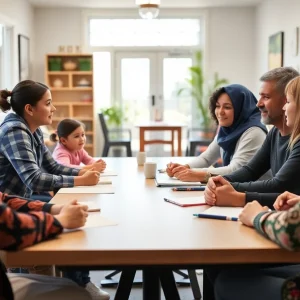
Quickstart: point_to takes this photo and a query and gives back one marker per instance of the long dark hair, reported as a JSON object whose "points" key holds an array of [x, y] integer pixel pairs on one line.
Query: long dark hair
{"points": [[65, 128], [25, 92]]}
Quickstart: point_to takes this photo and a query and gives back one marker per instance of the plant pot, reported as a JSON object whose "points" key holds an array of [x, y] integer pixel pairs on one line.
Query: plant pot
{"points": [[54, 64], [85, 64]]}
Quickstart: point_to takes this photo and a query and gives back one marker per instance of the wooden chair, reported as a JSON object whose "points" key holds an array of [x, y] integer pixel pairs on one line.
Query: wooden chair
{"points": [[109, 142]]}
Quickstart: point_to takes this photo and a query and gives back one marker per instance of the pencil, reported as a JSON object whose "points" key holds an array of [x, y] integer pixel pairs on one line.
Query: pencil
{"points": [[199, 188]]}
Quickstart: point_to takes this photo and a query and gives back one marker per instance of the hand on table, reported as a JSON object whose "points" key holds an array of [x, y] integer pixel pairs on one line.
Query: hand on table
{"points": [[170, 168], [185, 174], [72, 215], [250, 211]]}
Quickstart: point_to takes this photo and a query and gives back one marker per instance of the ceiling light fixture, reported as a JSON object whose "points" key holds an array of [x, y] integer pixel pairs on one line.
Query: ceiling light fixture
{"points": [[148, 9]]}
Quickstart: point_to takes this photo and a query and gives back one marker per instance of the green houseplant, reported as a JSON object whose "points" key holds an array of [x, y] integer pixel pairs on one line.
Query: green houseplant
{"points": [[200, 90], [113, 116]]}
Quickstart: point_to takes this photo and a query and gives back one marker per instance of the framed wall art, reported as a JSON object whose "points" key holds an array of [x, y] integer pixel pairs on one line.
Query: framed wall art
{"points": [[275, 56], [24, 57]]}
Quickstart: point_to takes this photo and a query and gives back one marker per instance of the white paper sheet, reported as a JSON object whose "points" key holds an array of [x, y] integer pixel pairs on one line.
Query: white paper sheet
{"points": [[95, 189], [232, 212], [108, 173]]}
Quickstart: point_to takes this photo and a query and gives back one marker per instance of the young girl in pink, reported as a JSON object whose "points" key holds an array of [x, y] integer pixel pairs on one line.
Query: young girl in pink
{"points": [[70, 147]]}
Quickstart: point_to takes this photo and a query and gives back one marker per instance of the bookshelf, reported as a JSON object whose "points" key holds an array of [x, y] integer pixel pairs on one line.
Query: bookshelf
{"points": [[70, 79]]}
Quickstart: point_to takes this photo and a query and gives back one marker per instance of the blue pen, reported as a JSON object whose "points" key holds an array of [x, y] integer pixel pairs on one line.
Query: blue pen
{"points": [[205, 216], [198, 188]]}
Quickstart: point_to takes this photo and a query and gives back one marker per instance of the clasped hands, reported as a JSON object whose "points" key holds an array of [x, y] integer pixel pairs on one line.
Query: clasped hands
{"points": [[184, 173], [220, 192]]}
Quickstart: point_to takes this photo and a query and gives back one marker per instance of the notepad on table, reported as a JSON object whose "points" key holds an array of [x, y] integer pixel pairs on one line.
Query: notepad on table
{"points": [[108, 173], [163, 180], [92, 205], [186, 201], [94, 189], [232, 212]]}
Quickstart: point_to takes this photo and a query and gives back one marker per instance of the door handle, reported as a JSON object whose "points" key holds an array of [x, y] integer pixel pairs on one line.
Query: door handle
{"points": [[153, 100]]}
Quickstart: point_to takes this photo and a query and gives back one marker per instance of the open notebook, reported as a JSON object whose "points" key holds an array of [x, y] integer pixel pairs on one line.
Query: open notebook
{"points": [[186, 201], [163, 180]]}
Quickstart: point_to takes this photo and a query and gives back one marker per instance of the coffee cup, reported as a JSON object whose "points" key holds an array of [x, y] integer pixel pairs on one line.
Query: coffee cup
{"points": [[150, 170], [141, 158]]}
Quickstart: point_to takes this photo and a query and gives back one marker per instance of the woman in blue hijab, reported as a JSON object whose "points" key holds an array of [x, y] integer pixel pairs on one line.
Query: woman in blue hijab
{"points": [[240, 135]]}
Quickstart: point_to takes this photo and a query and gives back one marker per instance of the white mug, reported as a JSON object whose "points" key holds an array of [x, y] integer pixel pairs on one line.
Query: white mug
{"points": [[150, 170], [141, 158]]}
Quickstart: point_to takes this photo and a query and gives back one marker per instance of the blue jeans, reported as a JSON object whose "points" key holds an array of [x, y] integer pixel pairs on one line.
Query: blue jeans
{"points": [[258, 284], [82, 278]]}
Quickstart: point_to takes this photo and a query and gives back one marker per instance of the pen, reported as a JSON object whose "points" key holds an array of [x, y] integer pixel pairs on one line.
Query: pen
{"points": [[205, 216], [199, 188], [161, 171]]}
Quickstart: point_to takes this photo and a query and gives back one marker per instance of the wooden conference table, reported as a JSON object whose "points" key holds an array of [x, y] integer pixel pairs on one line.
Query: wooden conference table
{"points": [[161, 126], [151, 233]]}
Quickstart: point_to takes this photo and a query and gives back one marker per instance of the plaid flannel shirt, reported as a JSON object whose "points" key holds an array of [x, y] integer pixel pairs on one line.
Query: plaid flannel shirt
{"points": [[26, 163]]}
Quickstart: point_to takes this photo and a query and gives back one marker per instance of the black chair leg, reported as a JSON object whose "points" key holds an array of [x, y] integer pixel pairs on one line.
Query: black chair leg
{"points": [[105, 151], [128, 150], [192, 149], [187, 151]]}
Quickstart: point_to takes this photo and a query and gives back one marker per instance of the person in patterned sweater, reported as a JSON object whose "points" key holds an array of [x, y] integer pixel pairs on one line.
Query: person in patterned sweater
{"points": [[25, 222], [281, 226]]}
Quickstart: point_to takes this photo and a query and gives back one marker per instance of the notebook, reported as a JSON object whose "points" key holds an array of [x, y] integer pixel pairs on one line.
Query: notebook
{"points": [[94, 189], [186, 201], [163, 180], [108, 173], [232, 212]]}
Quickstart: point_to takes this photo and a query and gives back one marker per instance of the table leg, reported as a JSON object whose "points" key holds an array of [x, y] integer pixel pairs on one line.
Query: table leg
{"points": [[168, 284], [179, 142], [172, 138], [142, 139], [151, 284], [125, 284]]}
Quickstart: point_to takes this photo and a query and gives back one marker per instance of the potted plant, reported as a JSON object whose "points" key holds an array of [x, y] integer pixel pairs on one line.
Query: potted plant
{"points": [[113, 116], [201, 91]]}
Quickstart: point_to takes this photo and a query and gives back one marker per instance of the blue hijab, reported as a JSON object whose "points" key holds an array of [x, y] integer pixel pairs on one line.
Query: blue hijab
{"points": [[246, 115]]}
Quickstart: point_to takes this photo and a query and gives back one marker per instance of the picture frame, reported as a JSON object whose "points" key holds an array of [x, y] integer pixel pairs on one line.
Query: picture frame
{"points": [[276, 50], [24, 57]]}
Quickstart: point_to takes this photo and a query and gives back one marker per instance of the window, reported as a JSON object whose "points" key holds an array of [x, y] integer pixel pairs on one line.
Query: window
{"points": [[139, 32]]}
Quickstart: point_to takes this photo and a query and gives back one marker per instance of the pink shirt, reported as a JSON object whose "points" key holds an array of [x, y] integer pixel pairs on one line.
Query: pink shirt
{"points": [[71, 159]]}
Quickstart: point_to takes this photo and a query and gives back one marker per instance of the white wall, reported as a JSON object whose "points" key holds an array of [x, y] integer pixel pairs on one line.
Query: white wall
{"points": [[54, 27], [231, 47], [230, 35], [20, 15], [273, 16]]}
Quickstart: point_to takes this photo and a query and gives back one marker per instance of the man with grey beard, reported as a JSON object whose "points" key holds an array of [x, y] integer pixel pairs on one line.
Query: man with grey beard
{"points": [[274, 153]]}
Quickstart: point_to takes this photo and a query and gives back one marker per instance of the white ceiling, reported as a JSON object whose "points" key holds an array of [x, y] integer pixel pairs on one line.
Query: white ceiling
{"points": [[131, 3]]}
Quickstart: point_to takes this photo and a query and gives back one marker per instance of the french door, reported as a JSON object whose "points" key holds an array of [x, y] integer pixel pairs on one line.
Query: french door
{"points": [[147, 85]]}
